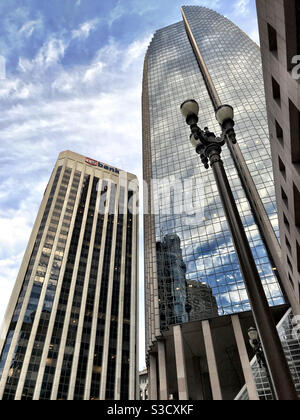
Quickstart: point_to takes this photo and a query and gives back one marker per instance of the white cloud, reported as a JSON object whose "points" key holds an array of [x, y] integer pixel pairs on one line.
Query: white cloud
{"points": [[135, 51], [50, 54], [138, 7], [211, 4], [14, 233], [94, 71], [84, 29], [117, 12], [15, 88], [242, 7], [28, 28]]}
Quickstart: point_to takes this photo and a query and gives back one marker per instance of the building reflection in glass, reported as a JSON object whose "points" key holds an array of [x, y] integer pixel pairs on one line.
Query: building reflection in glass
{"points": [[203, 304], [180, 300]]}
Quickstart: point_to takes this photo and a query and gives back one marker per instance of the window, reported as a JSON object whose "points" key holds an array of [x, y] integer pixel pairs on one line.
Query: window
{"points": [[284, 197], [286, 222], [290, 264], [295, 132], [288, 245], [276, 91], [291, 281], [298, 256], [279, 132], [282, 167], [296, 205], [272, 39]]}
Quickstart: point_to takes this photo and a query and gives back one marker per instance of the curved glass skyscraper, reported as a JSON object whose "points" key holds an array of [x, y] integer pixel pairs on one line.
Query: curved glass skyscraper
{"points": [[208, 58]]}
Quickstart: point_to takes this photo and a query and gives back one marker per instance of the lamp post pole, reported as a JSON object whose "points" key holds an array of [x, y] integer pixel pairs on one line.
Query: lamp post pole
{"points": [[209, 148]]}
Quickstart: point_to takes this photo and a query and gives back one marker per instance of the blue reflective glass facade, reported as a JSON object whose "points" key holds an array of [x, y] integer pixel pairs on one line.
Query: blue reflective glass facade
{"points": [[171, 76], [234, 63]]}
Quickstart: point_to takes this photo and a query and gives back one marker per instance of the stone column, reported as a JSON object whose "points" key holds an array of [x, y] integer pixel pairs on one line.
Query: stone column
{"points": [[162, 369], [153, 394], [248, 374], [211, 362], [180, 364]]}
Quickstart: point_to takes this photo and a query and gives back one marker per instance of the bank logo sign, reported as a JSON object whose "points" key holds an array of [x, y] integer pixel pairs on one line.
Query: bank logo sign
{"points": [[93, 162]]}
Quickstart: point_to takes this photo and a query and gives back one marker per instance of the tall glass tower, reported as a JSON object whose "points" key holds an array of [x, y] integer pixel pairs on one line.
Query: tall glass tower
{"points": [[208, 58], [70, 327]]}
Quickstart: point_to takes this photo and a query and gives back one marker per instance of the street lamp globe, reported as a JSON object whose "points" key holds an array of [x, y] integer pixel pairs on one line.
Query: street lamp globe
{"points": [[195, 141], [189, 108], [253, 334], [224, 113]]}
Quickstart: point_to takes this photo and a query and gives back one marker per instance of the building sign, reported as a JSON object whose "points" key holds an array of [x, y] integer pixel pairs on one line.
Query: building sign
{"points": [[93, 162]]}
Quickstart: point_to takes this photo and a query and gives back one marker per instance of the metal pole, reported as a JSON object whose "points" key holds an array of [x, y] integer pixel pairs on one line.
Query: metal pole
{"points": [[280, 375], [270, 382]]}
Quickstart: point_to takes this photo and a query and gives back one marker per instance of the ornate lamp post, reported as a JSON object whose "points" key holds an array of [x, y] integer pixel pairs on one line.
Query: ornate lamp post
{"points": [[209, 147]]}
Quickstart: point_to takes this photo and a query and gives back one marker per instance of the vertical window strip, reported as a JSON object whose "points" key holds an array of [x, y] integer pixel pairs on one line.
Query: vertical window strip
{"points": [[97, 367], [77, 298], [63, 300], [127, 304], [111, 368], [89, 309]]}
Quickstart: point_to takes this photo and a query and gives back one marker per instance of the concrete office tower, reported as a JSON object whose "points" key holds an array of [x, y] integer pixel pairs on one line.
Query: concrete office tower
{"points": [[279, 27], [70, 330], [206, 57]]}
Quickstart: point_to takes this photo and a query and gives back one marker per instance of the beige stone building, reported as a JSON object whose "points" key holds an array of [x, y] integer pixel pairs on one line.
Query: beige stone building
{"points": [[70, 330]]}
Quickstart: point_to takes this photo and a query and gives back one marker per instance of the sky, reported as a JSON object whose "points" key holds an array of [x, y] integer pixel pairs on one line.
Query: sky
{"points": [[71, 79]]}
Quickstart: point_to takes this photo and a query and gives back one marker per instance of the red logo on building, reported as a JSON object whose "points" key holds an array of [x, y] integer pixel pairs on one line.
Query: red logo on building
{"points": [[91, 162]]}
